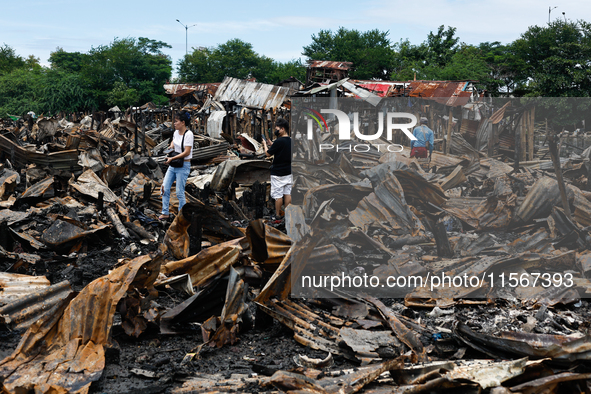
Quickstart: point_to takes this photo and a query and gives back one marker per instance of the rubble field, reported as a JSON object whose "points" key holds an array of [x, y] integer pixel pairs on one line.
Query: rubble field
{"points": [[98, 295]]}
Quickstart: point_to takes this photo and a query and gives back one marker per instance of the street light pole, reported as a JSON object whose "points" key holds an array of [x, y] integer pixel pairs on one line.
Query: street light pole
{"points": [[186, 35], [549, 11]]}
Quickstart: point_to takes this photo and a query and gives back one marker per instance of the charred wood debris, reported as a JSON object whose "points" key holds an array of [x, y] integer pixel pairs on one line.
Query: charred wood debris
{"points": [[83, 254]]}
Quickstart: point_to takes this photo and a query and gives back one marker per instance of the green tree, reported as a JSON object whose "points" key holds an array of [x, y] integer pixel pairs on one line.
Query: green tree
{"points": [[20, 91], [235, 58], [44, 91], [441, 46], [9, 60], [138, 64], [281, 71], [195, 67], [465, 64], [66, 61], [64, 91], [503, 68], [370, 52], [435, 58], [408, 61], [554, 60], [122, 96]]}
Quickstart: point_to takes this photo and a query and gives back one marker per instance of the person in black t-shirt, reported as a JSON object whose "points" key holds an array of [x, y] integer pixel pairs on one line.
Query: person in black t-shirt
{"points": [[281, 179]]}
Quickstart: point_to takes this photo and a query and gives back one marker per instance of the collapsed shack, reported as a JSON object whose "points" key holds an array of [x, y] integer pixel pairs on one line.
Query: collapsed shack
{"points": [[95, 291]]}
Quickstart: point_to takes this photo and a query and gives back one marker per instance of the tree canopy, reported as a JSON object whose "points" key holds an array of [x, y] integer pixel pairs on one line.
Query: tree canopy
{"points": [[550, 60], [126, 72], [131, 64], [554, 60], [235, 58], [370, 52], [9, 60]]}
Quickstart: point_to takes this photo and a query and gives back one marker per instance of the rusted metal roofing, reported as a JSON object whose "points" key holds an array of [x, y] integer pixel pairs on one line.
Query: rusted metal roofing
{"points": [[34, 301], [381, 88], [180, 89], [14, 286], [322, 88], [268, 244], [450, 93], [63, 160], [329, 64], [70, 341], [251, 94], [207, 263], [364, 94], [499, 114]]}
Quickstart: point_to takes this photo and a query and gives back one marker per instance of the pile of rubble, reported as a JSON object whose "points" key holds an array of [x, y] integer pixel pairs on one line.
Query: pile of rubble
{"points": [[88, 271]]}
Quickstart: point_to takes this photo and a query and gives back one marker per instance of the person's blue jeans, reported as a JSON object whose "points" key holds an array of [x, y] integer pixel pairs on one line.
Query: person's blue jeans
{"points": [[179, 174]]}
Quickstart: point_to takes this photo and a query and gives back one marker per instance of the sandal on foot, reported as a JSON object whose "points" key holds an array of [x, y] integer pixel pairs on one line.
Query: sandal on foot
{"points": [[163, 217]]}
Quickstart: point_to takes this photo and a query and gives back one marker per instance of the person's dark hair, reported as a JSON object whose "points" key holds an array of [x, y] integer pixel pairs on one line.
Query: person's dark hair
{"points": [[282, 123], [185, 117]]}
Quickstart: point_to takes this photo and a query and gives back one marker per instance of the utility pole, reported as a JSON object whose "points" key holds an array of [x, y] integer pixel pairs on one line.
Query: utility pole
{"points": [[186, 35], [549, 11]]}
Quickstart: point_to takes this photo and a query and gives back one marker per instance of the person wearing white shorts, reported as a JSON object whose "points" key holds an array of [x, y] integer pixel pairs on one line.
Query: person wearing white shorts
{"points": [[281, 179]]}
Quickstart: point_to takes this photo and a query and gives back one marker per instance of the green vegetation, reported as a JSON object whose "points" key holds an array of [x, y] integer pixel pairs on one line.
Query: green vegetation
{"points": [[237, 59], [125, 72], [550, 60], [370, 52]]}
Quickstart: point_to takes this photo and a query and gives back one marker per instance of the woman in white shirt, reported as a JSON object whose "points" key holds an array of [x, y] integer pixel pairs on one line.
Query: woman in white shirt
{"points": [[182, 143]]}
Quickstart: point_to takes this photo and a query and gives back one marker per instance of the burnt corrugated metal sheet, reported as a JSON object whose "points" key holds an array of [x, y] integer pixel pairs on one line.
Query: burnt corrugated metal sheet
{"points": [[469, 128], [499, 114], [362, 93], [214, 123], [382, 88], [268, 244], [64, 160], [329, 64], [386, 207], [180, 89], [450, 93], [247, 171], [322, 88], [69, 342], [14, 286], [34, 303], [251, 94], [207, 263]]}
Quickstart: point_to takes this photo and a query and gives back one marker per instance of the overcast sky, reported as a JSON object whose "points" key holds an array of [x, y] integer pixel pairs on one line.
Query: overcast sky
{"points": [[275, 29]]}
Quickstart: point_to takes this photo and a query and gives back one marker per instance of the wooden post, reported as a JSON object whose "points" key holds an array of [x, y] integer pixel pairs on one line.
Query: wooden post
{"points": [[246, 119], [530, 141], [523, 136], [117, 223], [264, 124], [430, 116], [556, 161], [460, 121], [449, 124], [491, 139], [442, 241], [517, 155], [195, 234], [147, 192], [100, 203], [143, 134], [135, 135]]}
